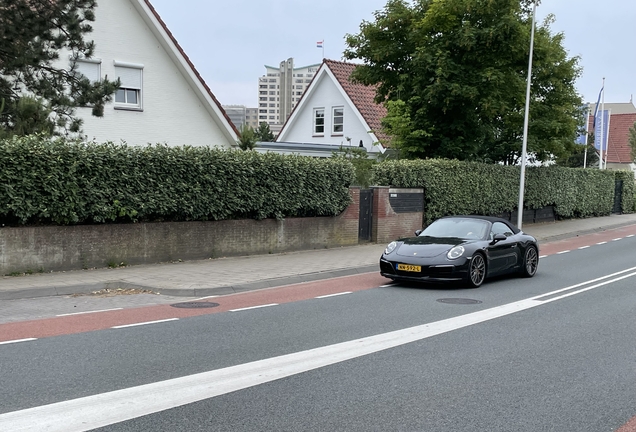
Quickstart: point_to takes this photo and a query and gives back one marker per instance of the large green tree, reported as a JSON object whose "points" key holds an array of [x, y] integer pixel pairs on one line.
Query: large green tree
{"points": [[452, 74], [36, 39]]}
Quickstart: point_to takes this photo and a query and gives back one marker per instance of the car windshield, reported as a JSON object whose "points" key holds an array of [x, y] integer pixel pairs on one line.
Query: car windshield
{"points": [[471, 229]]}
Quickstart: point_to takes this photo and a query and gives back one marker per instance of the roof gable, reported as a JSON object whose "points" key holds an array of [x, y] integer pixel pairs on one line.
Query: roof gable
{"points": [[618, 148], [359, 96], [170, 43]]}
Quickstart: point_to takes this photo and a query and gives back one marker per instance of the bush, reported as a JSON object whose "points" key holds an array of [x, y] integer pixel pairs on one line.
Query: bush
{"points": [[69, 182], [454, 187]]}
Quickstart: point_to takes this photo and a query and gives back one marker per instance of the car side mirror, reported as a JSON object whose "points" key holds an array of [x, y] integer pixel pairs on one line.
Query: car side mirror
{"points": [[418, 232], [497, 238]]}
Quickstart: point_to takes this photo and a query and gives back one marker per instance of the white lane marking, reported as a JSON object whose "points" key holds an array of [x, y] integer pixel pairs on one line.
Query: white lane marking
{"points": [[87, 312], [631, 235], [600, 243], [584, 247], [334, 295], [253, 307], [543, 256], [91, 412], [617, 239], [17, 341], [145, 323], [203, 298], [563, 252]]}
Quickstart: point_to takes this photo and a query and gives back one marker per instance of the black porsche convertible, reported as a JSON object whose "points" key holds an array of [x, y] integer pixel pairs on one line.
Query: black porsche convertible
{"points": [[461, 248]]}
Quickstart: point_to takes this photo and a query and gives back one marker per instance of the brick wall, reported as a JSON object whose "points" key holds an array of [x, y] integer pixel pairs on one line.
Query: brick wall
{"points": [[87, 246], [388, 224]]}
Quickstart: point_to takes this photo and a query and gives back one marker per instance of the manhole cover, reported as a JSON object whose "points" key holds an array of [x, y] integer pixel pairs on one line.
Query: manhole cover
{"points": [[459, 301], [195, 305]]}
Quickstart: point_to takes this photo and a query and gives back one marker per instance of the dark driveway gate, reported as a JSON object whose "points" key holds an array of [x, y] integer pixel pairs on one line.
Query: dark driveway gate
{"points": [[618, 197], [366, 215]]}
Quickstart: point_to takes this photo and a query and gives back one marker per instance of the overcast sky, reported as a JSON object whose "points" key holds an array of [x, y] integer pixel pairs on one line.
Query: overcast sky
{"points": [[229, 42]]}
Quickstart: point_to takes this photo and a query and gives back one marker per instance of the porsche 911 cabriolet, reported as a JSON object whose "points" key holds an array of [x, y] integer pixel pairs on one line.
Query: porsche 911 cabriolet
{"points": [[468, 249]]}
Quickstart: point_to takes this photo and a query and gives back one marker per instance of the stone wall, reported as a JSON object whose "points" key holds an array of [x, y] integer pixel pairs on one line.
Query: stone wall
{"points": [[86, 246], [396, 213]]}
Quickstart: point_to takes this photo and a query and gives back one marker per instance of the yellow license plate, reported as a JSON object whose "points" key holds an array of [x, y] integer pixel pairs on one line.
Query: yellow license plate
{"points": [[409, 268]]}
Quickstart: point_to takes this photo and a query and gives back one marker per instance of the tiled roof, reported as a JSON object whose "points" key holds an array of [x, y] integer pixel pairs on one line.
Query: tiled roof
{"points": [[189, 62], [618, 149], [362, 97]]}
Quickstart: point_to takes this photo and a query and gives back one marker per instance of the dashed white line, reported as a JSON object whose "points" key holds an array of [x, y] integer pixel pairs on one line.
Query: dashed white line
{"points": [[563, 252], [145, 323], [543, 256], [334, 295], [18, 340], [87, 312], [600, 243], [584, 247], [631, 235], [617, 239], [253, 307]]}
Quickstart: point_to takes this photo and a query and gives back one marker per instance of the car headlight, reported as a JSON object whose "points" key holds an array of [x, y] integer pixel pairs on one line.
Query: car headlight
{"points": [[390, 248], [455, 252]]}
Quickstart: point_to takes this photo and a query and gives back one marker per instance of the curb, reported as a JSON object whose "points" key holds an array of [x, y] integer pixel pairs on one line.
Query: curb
{"points": [[49, 291]]}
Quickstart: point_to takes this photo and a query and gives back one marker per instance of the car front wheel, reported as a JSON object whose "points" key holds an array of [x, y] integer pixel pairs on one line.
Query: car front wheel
{"points": [[530, 262], [476, 271]]}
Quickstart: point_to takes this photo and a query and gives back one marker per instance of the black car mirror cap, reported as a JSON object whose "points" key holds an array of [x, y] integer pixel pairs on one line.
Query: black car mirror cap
{"points": [[498, 238], [418, 232]]}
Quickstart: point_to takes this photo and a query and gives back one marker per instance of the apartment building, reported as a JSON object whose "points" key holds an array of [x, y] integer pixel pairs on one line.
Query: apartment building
{"points": [[280, 89], [240, 115]]}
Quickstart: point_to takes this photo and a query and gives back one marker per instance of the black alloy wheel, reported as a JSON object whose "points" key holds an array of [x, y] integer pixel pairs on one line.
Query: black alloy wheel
{"points": [[530, 262], [476, 271]]}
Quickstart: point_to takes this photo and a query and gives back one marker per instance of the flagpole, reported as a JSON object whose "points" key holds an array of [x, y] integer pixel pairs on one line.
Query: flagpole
{"points": [[607, 128], [601, 138], [587, 132], [524, 146]]}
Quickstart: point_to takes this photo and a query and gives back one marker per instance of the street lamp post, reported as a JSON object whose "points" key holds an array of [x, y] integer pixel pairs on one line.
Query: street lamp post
{"points": [[522, 181]]}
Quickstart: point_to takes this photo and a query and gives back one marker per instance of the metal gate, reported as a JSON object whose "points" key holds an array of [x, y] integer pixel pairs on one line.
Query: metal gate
{"points": [[618, 197], [366, 215]]}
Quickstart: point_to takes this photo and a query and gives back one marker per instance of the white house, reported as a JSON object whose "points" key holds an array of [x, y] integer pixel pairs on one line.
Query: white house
{"points": [[335, 111], [162, 98]]}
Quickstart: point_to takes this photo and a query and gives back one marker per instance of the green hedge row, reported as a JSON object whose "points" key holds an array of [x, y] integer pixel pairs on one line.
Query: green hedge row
{"points": [[454, 187], [55, 181]]}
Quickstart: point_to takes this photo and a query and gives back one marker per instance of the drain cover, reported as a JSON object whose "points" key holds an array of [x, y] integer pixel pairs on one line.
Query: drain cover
{"points": [[195, 305], [459, 301]]}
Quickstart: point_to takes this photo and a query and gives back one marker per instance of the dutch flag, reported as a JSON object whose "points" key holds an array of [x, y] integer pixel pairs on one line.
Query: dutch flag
{"points": [[319, 44]]}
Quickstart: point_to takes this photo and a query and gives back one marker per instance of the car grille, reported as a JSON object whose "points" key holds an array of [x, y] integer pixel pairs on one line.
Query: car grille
{"points": [[430, 271]]}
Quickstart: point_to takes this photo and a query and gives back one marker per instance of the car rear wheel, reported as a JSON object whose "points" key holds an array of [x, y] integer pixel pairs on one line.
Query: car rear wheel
{"points": [[530, 262], [476, 271]]}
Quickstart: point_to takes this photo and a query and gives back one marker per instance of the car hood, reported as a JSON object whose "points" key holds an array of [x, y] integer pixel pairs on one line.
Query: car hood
{"points": [[427, 247]]}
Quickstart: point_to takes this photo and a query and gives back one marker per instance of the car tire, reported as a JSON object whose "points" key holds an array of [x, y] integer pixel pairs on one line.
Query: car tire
{"points": [[476, 271], [530, 262]]}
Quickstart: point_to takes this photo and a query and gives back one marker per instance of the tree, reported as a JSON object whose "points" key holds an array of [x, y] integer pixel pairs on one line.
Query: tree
{"points": [[575, 160], [632, 140], [247, 138], [453, 75], [264, 133], [34, 36]]}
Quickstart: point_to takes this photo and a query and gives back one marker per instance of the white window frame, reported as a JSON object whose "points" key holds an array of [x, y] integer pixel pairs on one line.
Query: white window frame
{"points": [[315, 123], [334, 123], [134, 85]]}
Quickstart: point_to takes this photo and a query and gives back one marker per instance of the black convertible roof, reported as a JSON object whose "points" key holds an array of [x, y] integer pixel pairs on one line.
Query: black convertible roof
{"points": [[491, 219]]}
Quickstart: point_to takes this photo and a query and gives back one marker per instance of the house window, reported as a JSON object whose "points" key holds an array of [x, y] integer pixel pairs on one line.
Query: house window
{"points": [[319, 121], [128, 95], [337, 120], [91, 69]]}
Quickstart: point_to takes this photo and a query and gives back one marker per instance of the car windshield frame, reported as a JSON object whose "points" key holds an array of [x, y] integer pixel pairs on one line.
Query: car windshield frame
{"points": [[461, 228]]}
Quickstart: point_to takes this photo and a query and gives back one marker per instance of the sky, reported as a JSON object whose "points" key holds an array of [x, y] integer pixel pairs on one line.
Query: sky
{"points": [[230, 42]]}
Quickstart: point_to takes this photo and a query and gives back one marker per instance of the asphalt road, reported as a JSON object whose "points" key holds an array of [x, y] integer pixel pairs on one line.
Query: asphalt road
{"points": [[552, 353]]}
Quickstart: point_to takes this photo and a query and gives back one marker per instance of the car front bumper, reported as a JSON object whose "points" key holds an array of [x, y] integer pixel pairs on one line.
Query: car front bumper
{"points": [[430, 271]]}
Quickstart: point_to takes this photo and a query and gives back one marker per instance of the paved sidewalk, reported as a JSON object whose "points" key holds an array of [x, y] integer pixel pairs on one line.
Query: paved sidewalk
{"points": [[231, 275]]}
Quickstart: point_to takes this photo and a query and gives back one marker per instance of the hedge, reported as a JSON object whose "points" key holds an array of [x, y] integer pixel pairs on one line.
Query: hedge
{"points": [[454, 187], [68, 182]]}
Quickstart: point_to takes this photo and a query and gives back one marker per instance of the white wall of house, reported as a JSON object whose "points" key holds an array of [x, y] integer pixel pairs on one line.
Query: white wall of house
{"points": [[173, 110], [327, 95]]}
